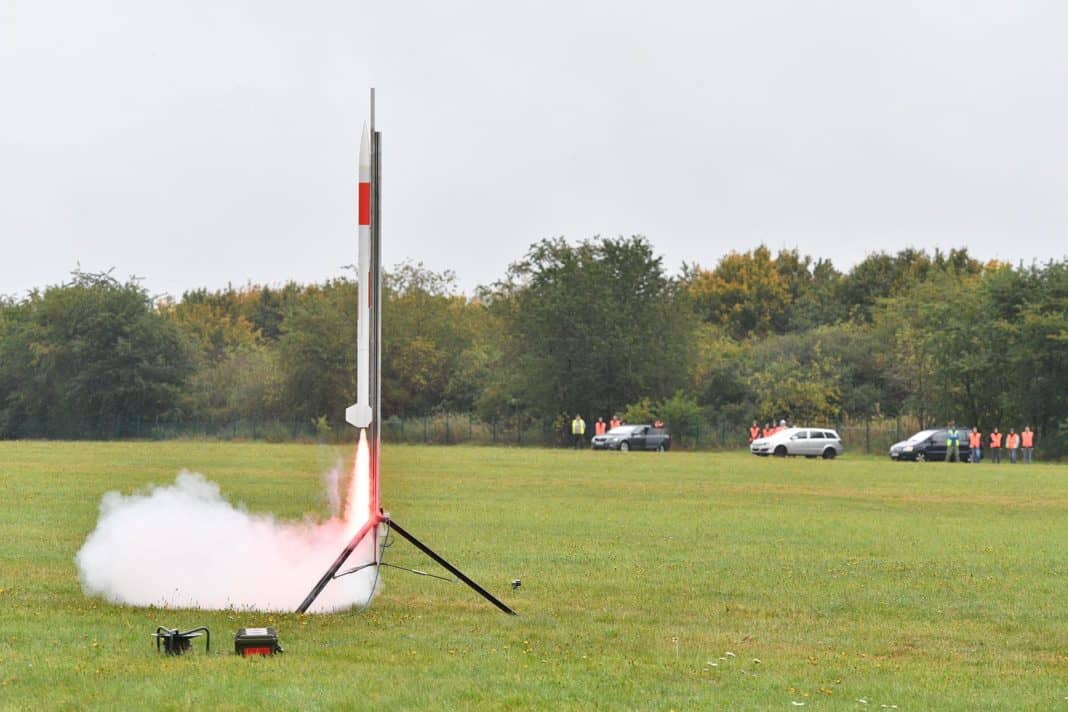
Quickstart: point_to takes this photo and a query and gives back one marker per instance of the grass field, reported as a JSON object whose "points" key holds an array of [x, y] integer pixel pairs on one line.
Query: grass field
{"points": [[856, 584]]}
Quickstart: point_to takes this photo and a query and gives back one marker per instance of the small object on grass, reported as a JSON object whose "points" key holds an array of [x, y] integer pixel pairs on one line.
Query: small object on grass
{"points": [[795, 703], [729, 654], [256, 641], [516, 583], [176, 642]]}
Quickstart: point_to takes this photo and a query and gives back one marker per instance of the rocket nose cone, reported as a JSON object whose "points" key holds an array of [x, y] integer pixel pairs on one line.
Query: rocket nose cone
{"points": [[365, 147]]}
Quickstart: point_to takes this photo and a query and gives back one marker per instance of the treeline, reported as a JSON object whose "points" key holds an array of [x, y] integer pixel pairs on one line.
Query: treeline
{"points": [[598, 327]]}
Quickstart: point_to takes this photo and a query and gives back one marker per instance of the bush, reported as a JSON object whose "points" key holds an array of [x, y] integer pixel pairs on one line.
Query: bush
{"points": [[682, 416]]}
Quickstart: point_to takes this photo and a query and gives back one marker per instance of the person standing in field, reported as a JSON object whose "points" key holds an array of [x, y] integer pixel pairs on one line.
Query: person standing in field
{"points": [[995, 446], [1012, 444], [614, 423], [600, 427], [1027, 442], [754, 432], [975, 445], [578, 431], [952, 443]]}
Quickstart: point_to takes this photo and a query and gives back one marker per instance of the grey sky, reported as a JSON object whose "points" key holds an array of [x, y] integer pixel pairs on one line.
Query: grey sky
{"points": [[200, 143]]}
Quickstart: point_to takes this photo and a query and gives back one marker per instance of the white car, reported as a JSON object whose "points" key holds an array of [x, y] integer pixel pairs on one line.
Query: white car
{"points": [[810, 442]]}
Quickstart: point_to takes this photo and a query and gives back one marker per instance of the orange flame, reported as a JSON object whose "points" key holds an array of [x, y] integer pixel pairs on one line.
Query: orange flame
{"points": [[358, 507]]}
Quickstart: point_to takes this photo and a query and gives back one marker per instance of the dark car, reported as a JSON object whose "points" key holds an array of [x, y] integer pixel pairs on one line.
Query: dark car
{"points": [[929, 445], [633, 437]]}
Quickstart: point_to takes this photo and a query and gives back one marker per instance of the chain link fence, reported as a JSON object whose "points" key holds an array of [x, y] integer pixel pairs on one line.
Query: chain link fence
{"points": [[873, 436], [464, 428]]}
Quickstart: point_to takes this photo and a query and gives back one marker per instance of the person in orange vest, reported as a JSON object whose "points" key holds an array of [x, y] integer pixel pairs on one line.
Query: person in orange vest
{"points": [[1027, 442], [754, 432], [768, 430], [600, 427], [614, 423], [1012, 443], [658, 424], [975, 445], [995, 446]]}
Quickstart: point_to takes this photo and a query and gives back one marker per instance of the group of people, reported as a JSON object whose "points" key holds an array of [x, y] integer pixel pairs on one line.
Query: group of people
{"points": [[756, 432], [1016, 444], [1020, 446], [578, 427]]}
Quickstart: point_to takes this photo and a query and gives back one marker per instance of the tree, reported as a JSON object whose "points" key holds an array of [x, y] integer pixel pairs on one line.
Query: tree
{"points": [[90, 358], [949, 341], [1032, 305], [745, 294], [793, 378], [437, 346], [316, 356], [820, 302], [881, 276], [719, 378], [753, 294], [593, 326], [682, 416], [638, 412], [214, 330]]}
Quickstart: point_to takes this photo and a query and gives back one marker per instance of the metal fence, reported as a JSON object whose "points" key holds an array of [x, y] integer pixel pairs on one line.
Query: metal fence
{"points": [[865, 436], [515, 431]]}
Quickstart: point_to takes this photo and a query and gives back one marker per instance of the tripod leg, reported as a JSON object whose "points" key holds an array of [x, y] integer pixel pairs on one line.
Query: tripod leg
{"points": [[329, 575], [450, 568]]}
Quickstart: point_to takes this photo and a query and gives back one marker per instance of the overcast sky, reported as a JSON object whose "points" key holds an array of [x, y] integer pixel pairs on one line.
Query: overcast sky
{"points": [[200, 143]]}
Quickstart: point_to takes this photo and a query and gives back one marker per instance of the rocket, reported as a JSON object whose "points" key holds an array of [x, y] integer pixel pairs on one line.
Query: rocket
{"points": [[365, 513], [360, 414], [365, 510]]}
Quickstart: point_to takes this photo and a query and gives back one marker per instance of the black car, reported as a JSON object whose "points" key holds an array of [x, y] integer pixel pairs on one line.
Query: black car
{"points": [[633, 437], [929, 445]]}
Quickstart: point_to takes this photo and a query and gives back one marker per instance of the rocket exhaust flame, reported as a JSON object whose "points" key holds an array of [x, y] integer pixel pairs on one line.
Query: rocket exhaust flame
{"points": [[358, 506]]}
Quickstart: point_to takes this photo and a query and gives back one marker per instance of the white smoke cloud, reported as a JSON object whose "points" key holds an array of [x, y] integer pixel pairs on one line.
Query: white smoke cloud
{"points": [[185, 546], [332, 488]]}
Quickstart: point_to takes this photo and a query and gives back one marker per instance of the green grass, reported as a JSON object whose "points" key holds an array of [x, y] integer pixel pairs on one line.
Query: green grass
{"points": [[922, 586]]}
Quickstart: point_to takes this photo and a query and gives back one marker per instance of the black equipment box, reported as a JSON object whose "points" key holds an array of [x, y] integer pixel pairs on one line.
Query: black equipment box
{"points": [[256, 641]]}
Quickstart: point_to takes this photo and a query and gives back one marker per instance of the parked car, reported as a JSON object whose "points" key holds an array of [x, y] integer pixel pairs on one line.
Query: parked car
{"points": [[810, 442], [929, 445], [633, 437]]}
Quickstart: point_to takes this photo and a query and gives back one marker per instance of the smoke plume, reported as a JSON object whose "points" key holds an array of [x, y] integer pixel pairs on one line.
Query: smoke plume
{"points": [[185, 546]]}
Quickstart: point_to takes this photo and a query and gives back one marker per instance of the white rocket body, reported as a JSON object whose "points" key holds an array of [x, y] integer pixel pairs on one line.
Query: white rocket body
{"points": [[360, 413]]}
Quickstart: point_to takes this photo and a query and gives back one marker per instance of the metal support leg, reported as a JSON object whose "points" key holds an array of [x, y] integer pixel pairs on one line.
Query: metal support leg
{"points": [[450, 568], [329, 575]]}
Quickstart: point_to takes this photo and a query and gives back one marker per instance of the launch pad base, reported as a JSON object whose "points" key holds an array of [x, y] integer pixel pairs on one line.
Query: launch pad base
{"points": [[366, 529]]}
